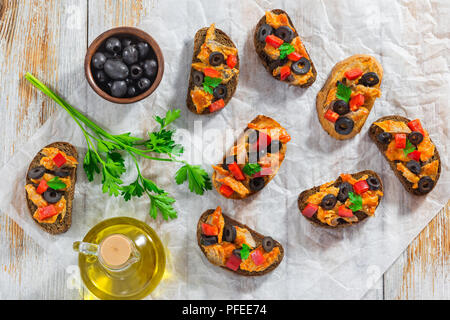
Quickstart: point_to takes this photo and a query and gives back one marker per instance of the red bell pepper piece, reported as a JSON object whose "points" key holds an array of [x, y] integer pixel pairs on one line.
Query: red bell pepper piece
{"points": [[209, 230], [415, 155], [257, 257], [216, 105], [59, 160], [236, 171], [330, 115], [310, 209], [231, 61], [285, 72], [361, 186], [210, 72], [353, 74], [345, 212], [415, 125], [42, 187], [47, 212], [356, 102], [265, 171], [400, 140], [226, 190], [233, 262], [294, 56], [274, 41]]}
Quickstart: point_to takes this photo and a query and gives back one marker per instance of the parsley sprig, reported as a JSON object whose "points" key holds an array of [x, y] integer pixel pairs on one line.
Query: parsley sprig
{"points": [[210, 83], [104, 157], [285, 50], [356, 201], [409, 148], [343, 92], [251, 168]]}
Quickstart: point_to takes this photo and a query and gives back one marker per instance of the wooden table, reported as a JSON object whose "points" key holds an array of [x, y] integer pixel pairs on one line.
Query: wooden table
{"points": [[49, 38]]}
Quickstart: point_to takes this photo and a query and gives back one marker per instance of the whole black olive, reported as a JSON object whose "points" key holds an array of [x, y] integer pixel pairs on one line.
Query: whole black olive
{"points": [[198, 77], [373, 182], [414, 166], [98, 60], [229, 160], [136, 72], [384, 137], [208, 240], [425, 184], [256, 184], [143, 84], [216, 58], [328, 202], [150, 67], [101, 76], [126, 42], [344, 189], [131, 91], [62, 173], [113, 45], [229, 233], [415, 137], [268, 244], [130, 55], [220, 92], [144, 49], [341, 107], [301, 66], [36, 172], [369, 79], [116, 69], [285, 33], [264, 31], [344, 125], [119, 88], [52, 196]]}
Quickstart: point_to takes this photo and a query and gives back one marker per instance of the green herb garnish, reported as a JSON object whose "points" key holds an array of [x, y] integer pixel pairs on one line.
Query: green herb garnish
{"points": [[251, 168], [356, 201], [56, 184], [103, 157], [409, 147], [210, 83], [285, 50], [343, 92], [245, 251]]}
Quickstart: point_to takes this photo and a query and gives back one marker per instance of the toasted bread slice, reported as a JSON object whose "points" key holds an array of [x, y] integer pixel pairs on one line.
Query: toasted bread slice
{"points": [[303, 197], [366, 63], [259, 119], [268, 63], [231, 85], [256, 236], [373, 133], [60, 226]]}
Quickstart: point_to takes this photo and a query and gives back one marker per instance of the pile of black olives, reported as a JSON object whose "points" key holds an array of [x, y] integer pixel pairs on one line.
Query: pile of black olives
{"points": [[124, 67]]}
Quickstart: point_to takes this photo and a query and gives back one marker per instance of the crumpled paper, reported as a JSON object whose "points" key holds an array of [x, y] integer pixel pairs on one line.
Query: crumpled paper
{"points": [[410, 40]]}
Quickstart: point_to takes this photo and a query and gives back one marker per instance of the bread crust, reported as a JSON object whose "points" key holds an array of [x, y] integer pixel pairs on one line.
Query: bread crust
{"points": [[60, 226], [265, 60], [331, 81], [375, 130], [267, 179], [231, 85], [256, 236], [303, 197]]}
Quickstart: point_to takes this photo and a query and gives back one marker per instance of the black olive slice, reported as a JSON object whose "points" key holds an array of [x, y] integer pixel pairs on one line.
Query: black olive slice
{"points": [[237, 252], [341, 107], [256, 184], [425, 184], [414, 166], [198, 77], [208, 240], [36, 172], [374, 183], [52, 196], [301, 66], [384, 137], [62, 173], [229, 233], [264, 31], [344, 189], [216, 58], [328, 202], [277, 63], [344, 125], [369, 79], [268, 244], [285, 33], [415, 137], [220, 92]]}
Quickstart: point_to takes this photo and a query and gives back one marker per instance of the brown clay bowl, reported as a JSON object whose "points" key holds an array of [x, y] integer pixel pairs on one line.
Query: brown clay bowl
{"points": [[120, 32]]}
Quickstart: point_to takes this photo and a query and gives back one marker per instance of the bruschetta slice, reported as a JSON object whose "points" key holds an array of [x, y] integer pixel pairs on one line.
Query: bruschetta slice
{"points": [[346, 99], [235, 247], [253, 161], [410, 152], [348, 200], [214, 71], [281, 50], [50, 187]]}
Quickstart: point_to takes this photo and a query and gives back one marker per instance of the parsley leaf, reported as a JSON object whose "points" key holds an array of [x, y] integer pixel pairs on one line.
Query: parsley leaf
{"points": [[285, 50], [245, 251], [356, 201], [210, 83], [56, 184], [171, 116], [162, 142], [409, 147], [132, 190], [197, 177], [127, 139], [343, 92], [251, 168], [90, 164], [163, 203]]}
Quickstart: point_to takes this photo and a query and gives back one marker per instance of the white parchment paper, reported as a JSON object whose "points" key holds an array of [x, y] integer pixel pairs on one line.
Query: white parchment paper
{"points": [[410, 39]]}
